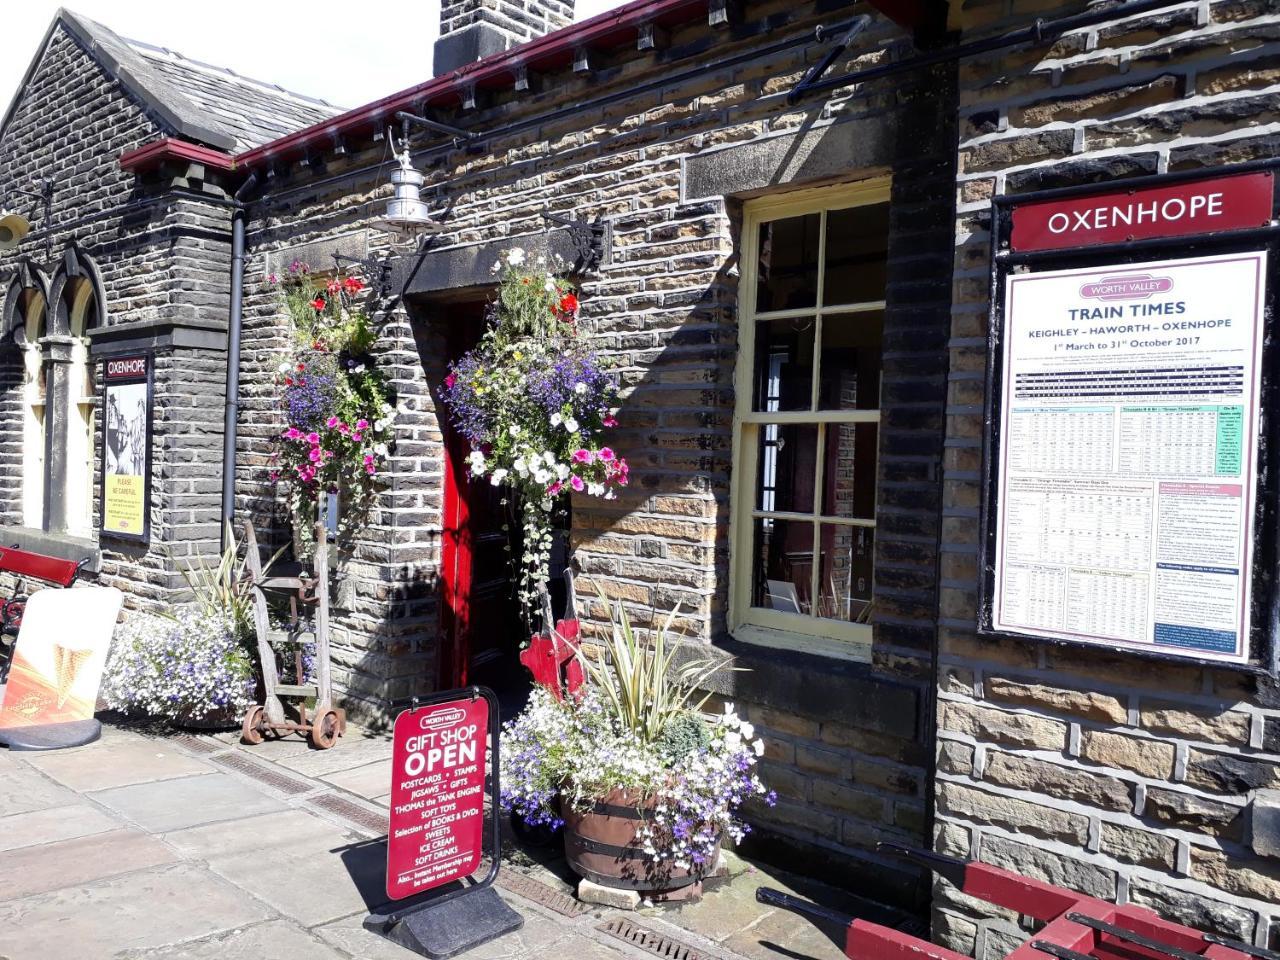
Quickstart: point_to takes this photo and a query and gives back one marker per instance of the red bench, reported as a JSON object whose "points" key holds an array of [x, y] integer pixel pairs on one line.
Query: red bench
{"points": [[27, 565]]}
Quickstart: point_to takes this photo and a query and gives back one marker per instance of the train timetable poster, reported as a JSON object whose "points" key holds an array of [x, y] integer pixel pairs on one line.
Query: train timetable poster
{"points": [[1127, 466]]}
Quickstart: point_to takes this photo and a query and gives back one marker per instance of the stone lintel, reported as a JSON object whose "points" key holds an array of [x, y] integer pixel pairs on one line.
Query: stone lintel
{"points": [[459, 268], [864, 146], [159, 335]]}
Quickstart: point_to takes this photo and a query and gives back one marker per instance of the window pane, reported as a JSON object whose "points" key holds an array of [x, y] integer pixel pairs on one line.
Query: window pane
{"points": [[788, 465], [783, 565], [788, 268], [857, 240], [784, 364], [851, 357], [844, 582], [849, 471]]}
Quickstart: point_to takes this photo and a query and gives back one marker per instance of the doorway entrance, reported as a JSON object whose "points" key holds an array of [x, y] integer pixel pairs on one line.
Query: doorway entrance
{"points": [[480, 615]]}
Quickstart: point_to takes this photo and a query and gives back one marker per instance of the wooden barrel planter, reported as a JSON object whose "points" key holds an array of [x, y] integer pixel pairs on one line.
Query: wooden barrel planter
{"points": [[600, 845]]}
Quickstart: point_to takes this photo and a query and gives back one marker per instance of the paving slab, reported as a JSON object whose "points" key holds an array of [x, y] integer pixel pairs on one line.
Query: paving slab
{"points": [[539, 936], [38, 869], [167, 805], [52, 824], [307, 868], [369, 780], [121, 759], [274, 940], [148, 908], [348, 753], [23, 790]]}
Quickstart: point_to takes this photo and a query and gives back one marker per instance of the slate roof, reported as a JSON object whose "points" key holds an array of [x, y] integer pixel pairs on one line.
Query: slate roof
{"points": [[192, 100]]}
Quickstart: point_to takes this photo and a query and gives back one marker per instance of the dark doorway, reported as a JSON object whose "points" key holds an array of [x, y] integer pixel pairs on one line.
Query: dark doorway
{"points": [[481, 628]]}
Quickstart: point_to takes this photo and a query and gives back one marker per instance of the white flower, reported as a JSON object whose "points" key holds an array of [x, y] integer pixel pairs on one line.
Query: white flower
{"points": [[610, 495], [579, 387], [498, 476], [382, 450], [541, 476], [514, 430], [284, 367], [595, 489], [497, 267], [550, 285], [562, 471], [748, 731], [520, 466], [571, 425], [758, 746], [728, 709], [477, 458], [358, 368], [516, 256], [535, 461], [555, 417]]}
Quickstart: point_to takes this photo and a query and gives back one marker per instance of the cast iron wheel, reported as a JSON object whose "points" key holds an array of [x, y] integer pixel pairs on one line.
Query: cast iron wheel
{"points": [[325, 729], [251, 729]]}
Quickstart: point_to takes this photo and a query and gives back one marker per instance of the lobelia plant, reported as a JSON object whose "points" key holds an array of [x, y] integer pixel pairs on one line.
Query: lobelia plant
{"points": [[637, 727], [337, 405], [185, 667], [534, 400]]}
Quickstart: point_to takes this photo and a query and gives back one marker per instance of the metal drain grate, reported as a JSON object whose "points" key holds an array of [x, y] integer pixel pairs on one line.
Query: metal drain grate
{"points": [[351, 812], [262, 773], [659, 944], [541, 894], [196, 745]]}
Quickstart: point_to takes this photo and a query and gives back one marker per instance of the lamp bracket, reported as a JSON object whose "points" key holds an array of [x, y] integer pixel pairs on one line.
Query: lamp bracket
{"points": [[587, 236], [377, 271], [407, 119]]}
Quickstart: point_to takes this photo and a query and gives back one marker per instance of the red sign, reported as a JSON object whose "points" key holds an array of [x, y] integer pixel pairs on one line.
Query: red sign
{"points": [[437, 795], [1237, 202], [127, 368]]}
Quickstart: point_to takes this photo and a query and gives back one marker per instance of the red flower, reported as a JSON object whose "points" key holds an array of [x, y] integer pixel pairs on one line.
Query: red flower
{"points": [[353, 284], [302, 368], [568, 303], [450, 380], [317, 345], [288, 381], [333, 286], [318, 304]]}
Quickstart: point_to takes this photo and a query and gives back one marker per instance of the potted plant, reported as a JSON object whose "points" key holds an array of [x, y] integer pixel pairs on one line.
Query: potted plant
{"points": [[534, 400], [643, 784]]}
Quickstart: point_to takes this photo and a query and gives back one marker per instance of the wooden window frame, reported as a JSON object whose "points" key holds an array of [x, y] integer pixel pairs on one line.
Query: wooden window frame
{"points": [[802, 632]]}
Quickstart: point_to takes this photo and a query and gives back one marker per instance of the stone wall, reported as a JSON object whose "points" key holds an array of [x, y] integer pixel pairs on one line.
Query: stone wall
{"points": [[163, 264], [1113, 775], [667, 163]]}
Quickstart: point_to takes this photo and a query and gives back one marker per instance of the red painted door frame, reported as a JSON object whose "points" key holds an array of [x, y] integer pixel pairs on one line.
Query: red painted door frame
{"points": [[455, 565]]}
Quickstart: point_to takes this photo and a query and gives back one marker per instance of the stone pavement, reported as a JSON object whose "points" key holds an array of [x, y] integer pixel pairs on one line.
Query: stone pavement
{"points": [[149, 846]]}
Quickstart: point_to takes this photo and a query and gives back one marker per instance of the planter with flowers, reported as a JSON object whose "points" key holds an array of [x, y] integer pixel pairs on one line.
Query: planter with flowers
{"points": [[535, 401], [643, 784], [337, 406]]}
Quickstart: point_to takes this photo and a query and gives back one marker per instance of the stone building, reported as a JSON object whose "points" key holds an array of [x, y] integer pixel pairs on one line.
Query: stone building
{"points": [[795, 279]]}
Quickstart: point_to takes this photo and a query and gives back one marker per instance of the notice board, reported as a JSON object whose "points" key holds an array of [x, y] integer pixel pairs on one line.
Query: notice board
{"points": [[1127, 429], [126, 447]]}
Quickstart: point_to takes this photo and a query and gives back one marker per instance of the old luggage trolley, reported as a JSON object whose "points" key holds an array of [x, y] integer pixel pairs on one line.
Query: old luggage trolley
{"points": [[1076, 927], [326, 722]]}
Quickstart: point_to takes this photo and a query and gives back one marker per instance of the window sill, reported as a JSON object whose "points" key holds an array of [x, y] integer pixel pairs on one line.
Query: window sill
{"points": [[850, 651], [64, 546]]}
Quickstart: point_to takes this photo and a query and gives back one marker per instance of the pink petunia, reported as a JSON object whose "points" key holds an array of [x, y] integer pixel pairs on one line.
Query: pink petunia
{"points": [[331, 422], [343, 429], [293, 433], [362, 424], [357, 436], [605, 454], [555, 489], [576, 482], [450, 380], [583, 456], [368, 459], [610, 422], [314, 455], [313, 438]]}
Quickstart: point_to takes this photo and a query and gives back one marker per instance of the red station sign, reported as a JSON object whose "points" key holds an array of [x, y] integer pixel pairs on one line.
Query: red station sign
{"points": [[1236, 202], [437, 795]]}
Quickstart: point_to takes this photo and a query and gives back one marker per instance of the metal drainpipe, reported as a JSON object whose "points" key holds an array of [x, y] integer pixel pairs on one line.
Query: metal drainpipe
{"points": [[232, 407]]}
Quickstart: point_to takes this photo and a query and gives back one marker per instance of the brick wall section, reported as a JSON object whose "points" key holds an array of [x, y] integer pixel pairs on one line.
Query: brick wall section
{"points": [[165, 263], [1108, 774], [521, 20], [665, 308]]}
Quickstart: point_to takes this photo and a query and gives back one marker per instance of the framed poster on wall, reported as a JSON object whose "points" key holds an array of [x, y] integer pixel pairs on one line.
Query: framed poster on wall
{"points": [[126, 447], [1128, 467]]}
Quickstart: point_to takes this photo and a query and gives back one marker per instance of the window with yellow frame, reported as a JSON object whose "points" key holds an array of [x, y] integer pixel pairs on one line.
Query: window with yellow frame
{"points": [[806, 422]]}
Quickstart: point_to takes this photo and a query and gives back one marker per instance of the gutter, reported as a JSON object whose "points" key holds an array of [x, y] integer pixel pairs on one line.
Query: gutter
{"points": [[234, 322]]}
